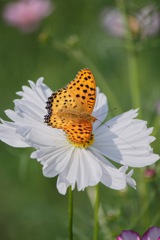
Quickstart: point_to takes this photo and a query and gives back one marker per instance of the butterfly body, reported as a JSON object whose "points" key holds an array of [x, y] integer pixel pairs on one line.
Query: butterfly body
{"points": [[70, 108], [79, 117]]}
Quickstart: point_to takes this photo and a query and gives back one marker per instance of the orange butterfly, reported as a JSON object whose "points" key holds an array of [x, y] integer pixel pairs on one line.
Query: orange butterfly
{"points": [[70, 108]]}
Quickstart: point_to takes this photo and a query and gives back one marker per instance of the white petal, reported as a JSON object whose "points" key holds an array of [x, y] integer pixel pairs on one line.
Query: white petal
{"points": [[83, 169], [42, 135], [112, 177], [62, 185], [42, 90], [8, 135], [56, 162], [130, 180], [39, 89], [37, 95], [35, 111], [14, 116], [123, 117], [126, 141], [29, 111], [100, 109]]}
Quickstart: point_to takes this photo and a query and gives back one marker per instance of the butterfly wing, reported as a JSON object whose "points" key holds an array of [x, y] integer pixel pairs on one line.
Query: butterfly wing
{"points": [[77, 130], [60, 103], [83, 90]]}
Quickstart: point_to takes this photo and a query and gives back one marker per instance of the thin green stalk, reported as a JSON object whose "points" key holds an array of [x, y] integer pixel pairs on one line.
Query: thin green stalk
{"points": [[132, 60], [134, 79], [70, 214], [156, 125], [96, 211]]}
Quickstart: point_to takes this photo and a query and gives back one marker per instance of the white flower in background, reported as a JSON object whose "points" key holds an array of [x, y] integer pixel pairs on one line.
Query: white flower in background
{"points": [[149, 20], [27, 14], [113, 22], [144, 23], [123, 139]]}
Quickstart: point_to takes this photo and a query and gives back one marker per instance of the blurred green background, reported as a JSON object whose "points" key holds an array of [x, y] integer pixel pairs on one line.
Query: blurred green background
{"points": [[71, 38]]}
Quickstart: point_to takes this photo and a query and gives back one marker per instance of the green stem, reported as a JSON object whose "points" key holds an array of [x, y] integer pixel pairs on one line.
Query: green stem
{"points": [[96, 210], [105, 229], [70, 214], [133, 57]]}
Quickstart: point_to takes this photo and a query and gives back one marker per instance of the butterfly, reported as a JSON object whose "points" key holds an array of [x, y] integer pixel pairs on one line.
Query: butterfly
{"points": [[70, 108]]}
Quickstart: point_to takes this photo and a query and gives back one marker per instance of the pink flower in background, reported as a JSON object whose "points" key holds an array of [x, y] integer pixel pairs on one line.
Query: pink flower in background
{"points": [[27, 14], [145, 23], [149, 172], [152, 233], [128, 235]]}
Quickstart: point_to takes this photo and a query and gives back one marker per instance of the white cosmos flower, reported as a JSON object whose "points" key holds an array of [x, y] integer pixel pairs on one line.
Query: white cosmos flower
{"points": [[123, 139]]}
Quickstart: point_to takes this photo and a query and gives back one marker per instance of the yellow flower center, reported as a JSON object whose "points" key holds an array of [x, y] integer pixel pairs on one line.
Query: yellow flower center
{"points": [[83, 144]]}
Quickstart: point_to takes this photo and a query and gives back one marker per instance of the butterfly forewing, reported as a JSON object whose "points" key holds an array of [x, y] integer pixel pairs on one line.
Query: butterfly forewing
{"points": [[83, 88]]}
